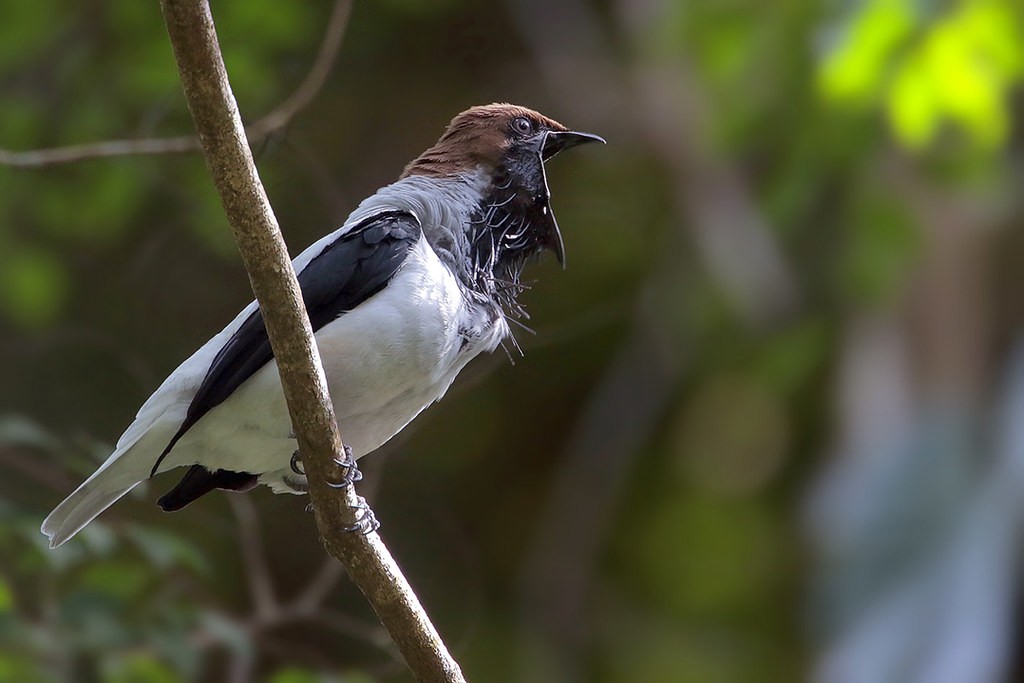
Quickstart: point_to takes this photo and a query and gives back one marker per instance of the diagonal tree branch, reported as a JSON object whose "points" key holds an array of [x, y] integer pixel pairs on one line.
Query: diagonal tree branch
{"points": [[229, 159], [283, 113], [277, 119]]}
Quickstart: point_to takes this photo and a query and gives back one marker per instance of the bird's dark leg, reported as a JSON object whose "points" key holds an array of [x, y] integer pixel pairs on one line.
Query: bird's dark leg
{"points": [[366, 521], [352, 473], [299, 485]]}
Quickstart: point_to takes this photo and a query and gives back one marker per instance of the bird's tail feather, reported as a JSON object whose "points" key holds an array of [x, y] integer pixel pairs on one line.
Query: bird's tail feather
{"points": [[78, 509], [123, 470]]}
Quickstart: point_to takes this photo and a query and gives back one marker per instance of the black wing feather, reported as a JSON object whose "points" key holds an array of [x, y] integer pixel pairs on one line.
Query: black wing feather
{"points": [[345, 274]]}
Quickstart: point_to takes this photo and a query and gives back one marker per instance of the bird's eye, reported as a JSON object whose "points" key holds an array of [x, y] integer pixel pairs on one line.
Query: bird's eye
{"points": [[522, 125]]}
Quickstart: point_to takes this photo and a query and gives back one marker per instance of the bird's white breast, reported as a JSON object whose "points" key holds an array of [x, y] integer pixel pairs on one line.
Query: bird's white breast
{"points": [[385, 361]]}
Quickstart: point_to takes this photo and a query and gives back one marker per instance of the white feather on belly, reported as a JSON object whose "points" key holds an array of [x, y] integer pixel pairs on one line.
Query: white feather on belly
{"points": [[385, 362]]}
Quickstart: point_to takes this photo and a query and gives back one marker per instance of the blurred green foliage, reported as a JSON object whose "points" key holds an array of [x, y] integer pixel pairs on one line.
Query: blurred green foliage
{"points": [[843, 130], [105, 71], [927, 65]]}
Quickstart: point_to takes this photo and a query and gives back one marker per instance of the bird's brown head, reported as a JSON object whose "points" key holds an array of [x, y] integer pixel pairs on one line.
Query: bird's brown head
{"points": [[480, 137], [507, 145]]}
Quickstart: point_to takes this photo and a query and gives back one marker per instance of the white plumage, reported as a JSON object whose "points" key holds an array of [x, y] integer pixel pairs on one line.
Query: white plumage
{"points": [[416, 283], [385, 361]]}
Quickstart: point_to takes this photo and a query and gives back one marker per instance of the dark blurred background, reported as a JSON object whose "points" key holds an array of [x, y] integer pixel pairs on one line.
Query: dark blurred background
{"points": [[770, 426]]}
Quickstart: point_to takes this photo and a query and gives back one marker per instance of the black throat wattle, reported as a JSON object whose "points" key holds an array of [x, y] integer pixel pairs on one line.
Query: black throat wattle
{"points": [[512, 225]]}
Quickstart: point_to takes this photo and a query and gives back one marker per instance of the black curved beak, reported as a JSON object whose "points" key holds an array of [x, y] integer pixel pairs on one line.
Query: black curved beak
{"points": [[547, 145], [557, 141]]}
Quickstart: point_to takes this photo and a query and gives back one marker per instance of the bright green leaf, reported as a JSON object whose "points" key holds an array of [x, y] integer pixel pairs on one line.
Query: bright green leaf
{"points": [[855, 71], [913, 110]]}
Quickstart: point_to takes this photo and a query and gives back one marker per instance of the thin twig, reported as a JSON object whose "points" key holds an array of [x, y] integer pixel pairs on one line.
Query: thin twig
{"points": [[319, 587], [270, 613], [255, 557], [276, 120], [55, 156], [282, 115], [229, 160]]}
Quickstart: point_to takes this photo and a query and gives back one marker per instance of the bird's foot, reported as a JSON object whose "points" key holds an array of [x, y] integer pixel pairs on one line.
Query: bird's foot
{"points": [[347, 462], [366, 521], [352, 473], [298, 484]]}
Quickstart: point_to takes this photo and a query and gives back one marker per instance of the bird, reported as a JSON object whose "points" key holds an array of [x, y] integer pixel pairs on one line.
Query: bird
{"points": [[423, 276]]}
